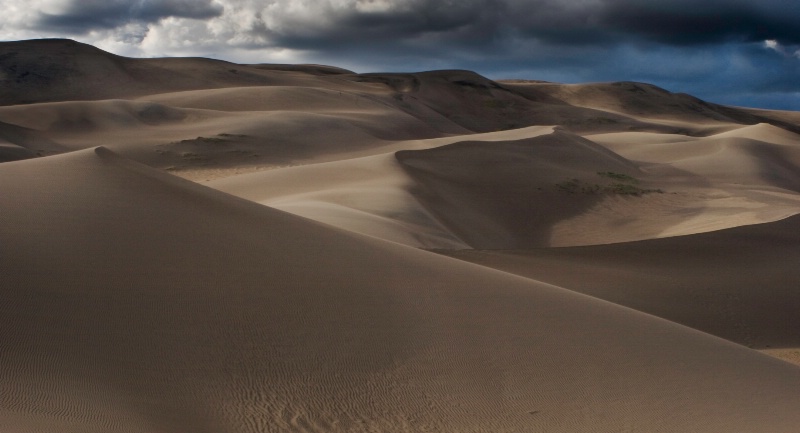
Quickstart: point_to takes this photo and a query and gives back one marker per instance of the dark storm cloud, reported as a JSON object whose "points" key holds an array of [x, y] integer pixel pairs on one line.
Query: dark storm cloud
{"points": [[465, 22], [679, 22], [82, 16], [482, 23], [425, 16], [469, 22], [691, 22]]}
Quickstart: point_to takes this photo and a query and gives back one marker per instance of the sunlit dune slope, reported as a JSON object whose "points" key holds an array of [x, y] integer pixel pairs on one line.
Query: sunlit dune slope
{"points": [[539, 187]]}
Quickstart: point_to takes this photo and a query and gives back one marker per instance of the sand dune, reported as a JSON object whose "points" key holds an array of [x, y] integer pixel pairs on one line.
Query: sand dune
{"points": [[18, 142], [372, 195], [203, 140], [272, 98], [554, 189], [739, 284], [366, 195], [628, 245], [166, 306], [58, 70], [650, 103]]}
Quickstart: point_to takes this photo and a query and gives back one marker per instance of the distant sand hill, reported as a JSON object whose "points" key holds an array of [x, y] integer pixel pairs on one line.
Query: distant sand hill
{"points": [[191, 245]]}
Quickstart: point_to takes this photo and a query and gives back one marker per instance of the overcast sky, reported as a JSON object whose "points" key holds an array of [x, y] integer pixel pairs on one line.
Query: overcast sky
{"points": [[741, 52]]}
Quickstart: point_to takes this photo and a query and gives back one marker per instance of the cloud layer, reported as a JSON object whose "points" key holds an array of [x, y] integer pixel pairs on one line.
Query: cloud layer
{"points": [[83, 16], [732, 51]]}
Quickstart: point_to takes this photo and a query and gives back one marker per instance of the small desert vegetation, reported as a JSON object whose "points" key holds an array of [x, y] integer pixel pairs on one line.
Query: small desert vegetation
{"points": [[200, 140], [198, 151], [226, 135], [223, 138], [616, 183], [574, 186], [621, 177]]}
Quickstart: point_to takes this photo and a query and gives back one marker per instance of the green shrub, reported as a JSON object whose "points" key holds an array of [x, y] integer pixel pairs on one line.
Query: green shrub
{"points": [[624, 185], [618, 176]]}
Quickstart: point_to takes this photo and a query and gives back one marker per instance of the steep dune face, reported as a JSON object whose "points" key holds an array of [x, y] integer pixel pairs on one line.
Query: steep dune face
{"points": [[739, 284], [745, 175], [503, 195], [370, 195], [18, 142], [138, 302]]}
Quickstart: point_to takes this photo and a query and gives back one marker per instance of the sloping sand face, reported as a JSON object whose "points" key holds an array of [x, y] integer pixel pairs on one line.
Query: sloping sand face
{"points": [[737, 283], [136, 302], [542, 188], [506, 194]]}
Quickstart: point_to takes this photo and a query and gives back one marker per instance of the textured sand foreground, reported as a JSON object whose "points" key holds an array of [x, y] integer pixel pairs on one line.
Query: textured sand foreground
{"points": [[189, 245], [142, 302]]}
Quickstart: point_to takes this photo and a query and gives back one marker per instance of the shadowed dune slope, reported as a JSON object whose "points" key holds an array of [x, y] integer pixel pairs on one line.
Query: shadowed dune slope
{"points": [[134, 301], [367, 195], [543, 186], [482, 105], [501, 195], [18, 142], [638, 99], [370, 195], [650, 103], [12, 143], [739, 283], [46, 70]]}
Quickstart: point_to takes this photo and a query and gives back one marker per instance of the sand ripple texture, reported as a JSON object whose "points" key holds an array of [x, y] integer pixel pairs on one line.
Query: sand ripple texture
{"points": [[135, 301]]}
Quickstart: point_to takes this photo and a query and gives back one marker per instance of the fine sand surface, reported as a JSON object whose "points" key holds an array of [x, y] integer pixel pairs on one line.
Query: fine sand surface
{"points": [[190, 245], [554, 188], [142, 302], [739, 283]]}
